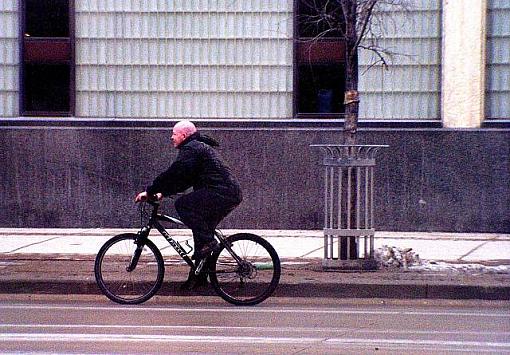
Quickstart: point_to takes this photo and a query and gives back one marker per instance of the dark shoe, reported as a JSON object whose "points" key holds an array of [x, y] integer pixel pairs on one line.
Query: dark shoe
{"points": [[194, 281], [187, 285], [206, 250], [201, 281]]}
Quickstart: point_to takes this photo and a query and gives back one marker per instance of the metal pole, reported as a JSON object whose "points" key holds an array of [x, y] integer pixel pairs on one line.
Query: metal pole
{"points": [[331, 208], [326, 212], [367, 207], [371, 210]]}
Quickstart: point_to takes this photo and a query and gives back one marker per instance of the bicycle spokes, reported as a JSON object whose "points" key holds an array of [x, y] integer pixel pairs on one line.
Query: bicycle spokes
{"points": [[253, 278], [128, 272]]}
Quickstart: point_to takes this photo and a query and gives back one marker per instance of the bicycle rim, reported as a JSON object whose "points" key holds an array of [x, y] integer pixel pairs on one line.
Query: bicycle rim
{"points": [[128, 287], [252, 281]]}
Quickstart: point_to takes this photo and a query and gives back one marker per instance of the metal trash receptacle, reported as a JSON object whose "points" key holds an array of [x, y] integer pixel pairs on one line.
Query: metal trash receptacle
{"points": [[349, 206]]}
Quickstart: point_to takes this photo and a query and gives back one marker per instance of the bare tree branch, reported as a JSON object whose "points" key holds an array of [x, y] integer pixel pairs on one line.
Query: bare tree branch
{"points": [[360, 24], [380, 53], [365, 19]]}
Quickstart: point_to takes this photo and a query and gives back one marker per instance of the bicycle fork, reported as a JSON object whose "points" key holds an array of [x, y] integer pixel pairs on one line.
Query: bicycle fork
{"points": [[140, 243], [134, 259]]}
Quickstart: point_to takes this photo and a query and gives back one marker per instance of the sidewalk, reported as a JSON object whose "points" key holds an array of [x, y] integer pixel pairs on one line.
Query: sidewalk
{"points": [[453, 265]]}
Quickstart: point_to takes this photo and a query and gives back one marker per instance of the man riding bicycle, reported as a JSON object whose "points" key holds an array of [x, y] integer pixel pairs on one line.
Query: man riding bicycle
{"points": [[215, 190]]}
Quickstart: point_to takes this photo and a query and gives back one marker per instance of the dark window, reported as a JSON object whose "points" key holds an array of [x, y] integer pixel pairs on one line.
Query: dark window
{"points": [[48, 58], [321, 88], [47, 87], [319, 53], [47, 18]]}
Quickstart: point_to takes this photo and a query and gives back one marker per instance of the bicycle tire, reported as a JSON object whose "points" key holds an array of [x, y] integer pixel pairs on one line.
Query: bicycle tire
{"points": [[251, 282], [119, 284]]}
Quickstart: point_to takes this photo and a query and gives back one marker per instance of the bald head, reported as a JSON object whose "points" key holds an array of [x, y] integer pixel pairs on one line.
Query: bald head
{"points": [[185, 126], [182, 130]]}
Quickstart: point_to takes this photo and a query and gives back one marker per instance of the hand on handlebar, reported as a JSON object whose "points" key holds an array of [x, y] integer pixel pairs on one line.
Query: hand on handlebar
{"points": [[144, 196]]}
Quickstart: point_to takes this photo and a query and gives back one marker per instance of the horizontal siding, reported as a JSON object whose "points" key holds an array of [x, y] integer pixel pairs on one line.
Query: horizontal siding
{"points": [[187, 6], [199, 59], [497, 103], [410, 87], [255, 53], [200, 25], [9, 58], [190, 78], [185, 104]]}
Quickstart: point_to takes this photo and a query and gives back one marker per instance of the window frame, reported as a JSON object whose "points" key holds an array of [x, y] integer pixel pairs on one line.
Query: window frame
{"points": [[61, 51], [299, 45]]}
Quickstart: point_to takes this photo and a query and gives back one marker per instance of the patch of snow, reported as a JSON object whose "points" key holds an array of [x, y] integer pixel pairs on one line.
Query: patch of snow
{"points": [[395, 257]]}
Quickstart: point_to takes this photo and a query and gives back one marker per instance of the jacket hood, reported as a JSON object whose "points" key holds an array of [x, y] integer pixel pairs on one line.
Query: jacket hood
{"points": [[201, 138]]}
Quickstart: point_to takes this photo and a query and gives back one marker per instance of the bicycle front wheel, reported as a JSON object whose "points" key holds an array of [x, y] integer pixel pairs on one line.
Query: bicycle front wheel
{"points": [[250, 280], [114, 276]]}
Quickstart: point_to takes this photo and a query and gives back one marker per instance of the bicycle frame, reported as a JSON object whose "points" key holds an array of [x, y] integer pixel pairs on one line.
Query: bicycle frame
{"points": [[154, 223]]}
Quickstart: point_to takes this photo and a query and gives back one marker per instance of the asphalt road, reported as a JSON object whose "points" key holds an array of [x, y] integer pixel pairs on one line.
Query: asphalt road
{"points": [[91, 324]]}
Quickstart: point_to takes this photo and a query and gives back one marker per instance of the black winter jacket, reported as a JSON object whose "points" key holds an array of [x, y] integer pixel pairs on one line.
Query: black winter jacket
{"points": [[197, 165]]}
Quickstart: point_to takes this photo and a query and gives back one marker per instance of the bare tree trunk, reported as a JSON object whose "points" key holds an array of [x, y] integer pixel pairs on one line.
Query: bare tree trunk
{"points": [[354, 21], [351, 100], [351, 73], [351, 119]]}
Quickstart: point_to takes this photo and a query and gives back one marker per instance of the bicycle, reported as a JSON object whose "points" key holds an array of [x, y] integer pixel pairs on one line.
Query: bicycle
{"points": [[129, 267]]}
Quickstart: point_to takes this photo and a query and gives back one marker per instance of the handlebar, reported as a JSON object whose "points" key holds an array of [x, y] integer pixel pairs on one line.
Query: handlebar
{"points": [[154, 203], [154, 213], [153, 200], [144, 211]]}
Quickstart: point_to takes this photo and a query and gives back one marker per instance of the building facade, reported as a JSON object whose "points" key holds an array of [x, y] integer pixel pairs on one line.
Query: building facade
{"points": [[90, 88]]}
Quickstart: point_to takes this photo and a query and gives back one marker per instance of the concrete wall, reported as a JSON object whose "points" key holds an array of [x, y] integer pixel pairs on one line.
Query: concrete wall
{"points": [[428, 180]]}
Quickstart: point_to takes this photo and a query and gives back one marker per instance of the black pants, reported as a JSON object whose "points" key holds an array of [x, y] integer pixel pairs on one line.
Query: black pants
{"points": [[203, 210]]}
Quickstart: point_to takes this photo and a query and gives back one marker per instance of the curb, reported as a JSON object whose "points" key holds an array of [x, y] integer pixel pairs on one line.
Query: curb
{"points": [[309, 290]]}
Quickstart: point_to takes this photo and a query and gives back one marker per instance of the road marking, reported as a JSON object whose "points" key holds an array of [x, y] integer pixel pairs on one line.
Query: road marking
{"points": [[458, 343], [5, 264], [31, 245], [282, 329], [253, 310], [61, 338]]}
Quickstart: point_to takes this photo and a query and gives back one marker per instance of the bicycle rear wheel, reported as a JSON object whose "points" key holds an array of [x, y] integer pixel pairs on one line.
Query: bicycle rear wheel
{"points": [[251, 281], [117, 282]]}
